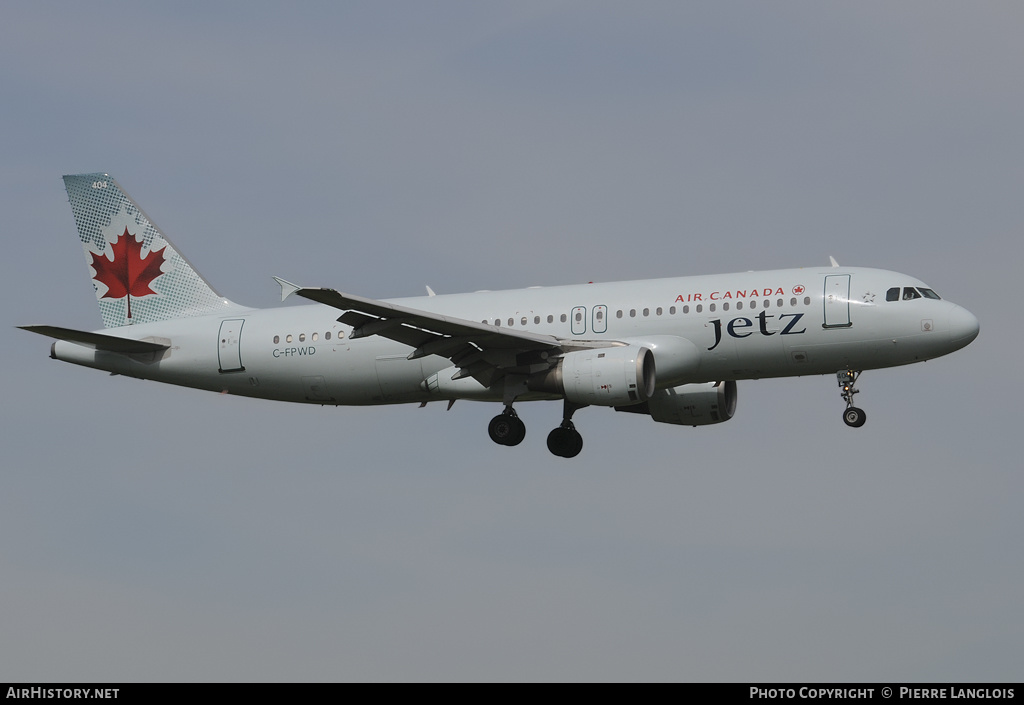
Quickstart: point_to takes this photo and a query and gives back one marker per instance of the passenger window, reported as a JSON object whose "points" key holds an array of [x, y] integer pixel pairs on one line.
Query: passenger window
{"points": [[893, 294], [807, 301], [700, 307], [686, 309], [536, 320], [315, 337], [647, 312], [288, 338], [632, 313], [302, 337], [600, 315], [792, 301], [551, 319], [277, 339], [725, 306], [658, 310], [511, 322], [562, 318], [711, 308], [910, 293], [327, 335], [672, 310], [523, 321], [779, 303]]}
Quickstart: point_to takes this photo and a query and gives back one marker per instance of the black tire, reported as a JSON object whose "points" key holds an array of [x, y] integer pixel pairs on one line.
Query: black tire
{"points": [[565, 442], [854, 417], [518, 432], [506, 430]]}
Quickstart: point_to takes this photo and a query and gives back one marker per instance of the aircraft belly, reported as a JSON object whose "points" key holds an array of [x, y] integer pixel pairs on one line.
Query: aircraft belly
{"points": [[848, 354], [762, 356], [349, 376], [399, 378]]}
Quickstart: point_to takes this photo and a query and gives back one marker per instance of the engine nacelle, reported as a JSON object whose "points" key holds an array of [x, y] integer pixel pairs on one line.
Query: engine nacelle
{"points": [[677, 359], [617, 376], [690, 404]]}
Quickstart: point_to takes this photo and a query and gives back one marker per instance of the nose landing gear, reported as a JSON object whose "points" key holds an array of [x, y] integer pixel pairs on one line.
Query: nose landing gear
{"points": [[852, 416]]}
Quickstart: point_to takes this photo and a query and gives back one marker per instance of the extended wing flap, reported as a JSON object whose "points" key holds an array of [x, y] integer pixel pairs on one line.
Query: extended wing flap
{"points": [[364, 325], [97, 341]]}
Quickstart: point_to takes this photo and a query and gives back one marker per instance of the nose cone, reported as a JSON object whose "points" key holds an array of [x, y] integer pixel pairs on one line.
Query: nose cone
{"points": [[963, 327]]}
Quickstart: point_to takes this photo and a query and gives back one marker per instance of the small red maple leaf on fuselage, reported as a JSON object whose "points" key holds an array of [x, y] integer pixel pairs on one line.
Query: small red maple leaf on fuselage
{"points": [[129, 273]]}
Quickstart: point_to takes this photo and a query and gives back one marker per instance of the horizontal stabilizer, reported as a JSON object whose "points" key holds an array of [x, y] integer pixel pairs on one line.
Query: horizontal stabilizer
{"points": [[97, 341]]}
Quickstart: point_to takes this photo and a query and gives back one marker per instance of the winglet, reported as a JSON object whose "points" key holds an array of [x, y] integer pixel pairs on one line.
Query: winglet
{"points": [[287, 288], [833, 261]]}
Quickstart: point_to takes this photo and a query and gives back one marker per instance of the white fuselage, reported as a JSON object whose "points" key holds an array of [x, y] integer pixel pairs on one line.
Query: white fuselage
{"points": [[743, 326]]}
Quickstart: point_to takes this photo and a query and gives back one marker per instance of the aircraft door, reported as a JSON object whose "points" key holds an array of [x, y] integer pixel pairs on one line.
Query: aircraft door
{"points": [[579, 320], [600, 322], [837, 301], [229, 352]]}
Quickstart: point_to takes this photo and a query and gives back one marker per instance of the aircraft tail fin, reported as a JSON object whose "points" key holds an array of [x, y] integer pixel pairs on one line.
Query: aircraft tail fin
{"points": [[138, 275]]}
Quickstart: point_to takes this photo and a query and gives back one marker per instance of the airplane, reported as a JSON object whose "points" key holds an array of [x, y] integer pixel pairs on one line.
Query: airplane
{"points": [[672, 349]]}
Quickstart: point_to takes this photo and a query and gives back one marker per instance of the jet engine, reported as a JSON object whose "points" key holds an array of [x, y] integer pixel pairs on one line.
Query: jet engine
{"points": [[690, 404], [603, 377]]}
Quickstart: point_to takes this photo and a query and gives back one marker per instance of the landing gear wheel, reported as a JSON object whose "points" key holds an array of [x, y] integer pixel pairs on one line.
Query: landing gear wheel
{"points": [[854, 417], [565, 442], [507, 429]]}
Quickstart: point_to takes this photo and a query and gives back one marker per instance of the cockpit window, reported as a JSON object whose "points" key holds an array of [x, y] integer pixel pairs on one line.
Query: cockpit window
{"points": [[910, 293]]}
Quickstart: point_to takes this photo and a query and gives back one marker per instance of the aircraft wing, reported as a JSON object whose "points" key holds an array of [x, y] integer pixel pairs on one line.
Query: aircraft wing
{"points": [[480, 350]]}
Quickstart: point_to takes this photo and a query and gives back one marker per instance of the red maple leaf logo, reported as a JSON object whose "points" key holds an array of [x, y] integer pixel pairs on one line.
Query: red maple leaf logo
{"points": [[129, 273]]}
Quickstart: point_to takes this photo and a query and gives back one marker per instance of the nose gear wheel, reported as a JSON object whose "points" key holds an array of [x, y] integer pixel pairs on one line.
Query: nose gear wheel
{"points": [[852, 416]]}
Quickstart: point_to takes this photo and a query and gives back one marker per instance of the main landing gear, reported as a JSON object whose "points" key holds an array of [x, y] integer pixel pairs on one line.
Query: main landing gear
{"points": [[507, 429], [852, 416], [565, 441]]}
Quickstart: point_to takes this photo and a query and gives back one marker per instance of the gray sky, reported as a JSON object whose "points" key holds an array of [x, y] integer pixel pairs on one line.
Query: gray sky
{"points": [[156, 533]]}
